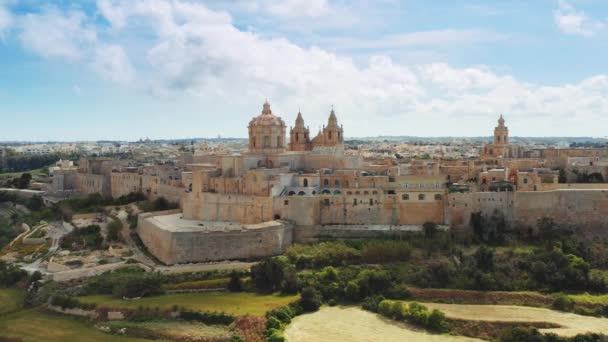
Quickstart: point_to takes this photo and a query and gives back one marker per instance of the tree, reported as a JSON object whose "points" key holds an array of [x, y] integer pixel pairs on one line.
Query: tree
{"points": [[484, 257], [430, 229], [235, 284], [310, 299], [114, 229]]}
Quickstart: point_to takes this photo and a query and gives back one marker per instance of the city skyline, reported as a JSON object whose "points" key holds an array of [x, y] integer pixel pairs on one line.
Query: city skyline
{"points": [[107, 70]]}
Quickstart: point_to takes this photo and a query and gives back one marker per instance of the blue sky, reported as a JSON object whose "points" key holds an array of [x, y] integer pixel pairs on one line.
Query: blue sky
{"points": [[177, 69]]}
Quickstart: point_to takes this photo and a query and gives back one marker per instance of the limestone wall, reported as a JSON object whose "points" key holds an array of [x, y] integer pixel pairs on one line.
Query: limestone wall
{"points": [[208, 206], [579, 208], [183, 246]]}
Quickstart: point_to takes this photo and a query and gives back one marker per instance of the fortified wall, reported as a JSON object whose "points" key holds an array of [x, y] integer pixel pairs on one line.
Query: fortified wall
{"points": [[575, 208], [174, 240]]}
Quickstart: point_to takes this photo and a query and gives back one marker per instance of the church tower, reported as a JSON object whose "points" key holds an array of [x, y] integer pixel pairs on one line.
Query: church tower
{"points": [[331, 135], [266, 132], [299, 136], [501, 133]]}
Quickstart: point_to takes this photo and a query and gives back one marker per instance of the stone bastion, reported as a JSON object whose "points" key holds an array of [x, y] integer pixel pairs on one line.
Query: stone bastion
{"points": [[173, 239]]}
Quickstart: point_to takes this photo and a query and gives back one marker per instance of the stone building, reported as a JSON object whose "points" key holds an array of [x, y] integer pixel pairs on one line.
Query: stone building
{"points": [[501, 147]]}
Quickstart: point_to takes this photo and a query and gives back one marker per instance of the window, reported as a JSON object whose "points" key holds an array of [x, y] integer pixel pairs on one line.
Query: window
{"points": [[421, 197], [337, 192], [355, 201], [297, 137], [438, 197], [291, 193], [305, 182], [405, 197], [266, 141], [525, 180], [371, 201], [285, 202], [326, 182], [346, 184], [336, 183], [326, 201], [366, 192], [279, 141]]}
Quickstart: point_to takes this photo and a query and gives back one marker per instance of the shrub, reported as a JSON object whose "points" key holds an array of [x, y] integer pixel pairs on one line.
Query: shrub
{"points": [[273, 323], [372, 303], [136, 286], [235, 284], [310, 299], [352, 291], [208, 317], [563, 303]]}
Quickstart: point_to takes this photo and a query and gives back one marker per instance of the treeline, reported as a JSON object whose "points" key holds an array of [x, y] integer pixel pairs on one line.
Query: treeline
{"points": [[19, 163]]}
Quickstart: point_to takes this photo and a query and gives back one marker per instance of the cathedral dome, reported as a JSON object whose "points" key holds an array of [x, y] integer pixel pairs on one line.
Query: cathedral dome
{"points": [[266, 118]]}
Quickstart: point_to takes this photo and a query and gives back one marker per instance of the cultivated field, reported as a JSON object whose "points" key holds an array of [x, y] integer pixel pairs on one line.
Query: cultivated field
{"points": [[10, 300], [356, 325], [35, 326], [572, 324], [241, 303]]}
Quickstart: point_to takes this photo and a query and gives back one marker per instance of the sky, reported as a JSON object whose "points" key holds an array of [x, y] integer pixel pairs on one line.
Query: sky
{"points": [[124, 70]]}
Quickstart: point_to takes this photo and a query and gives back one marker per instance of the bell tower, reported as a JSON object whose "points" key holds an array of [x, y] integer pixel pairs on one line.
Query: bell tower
{"points": [[299, 139], [501, 133]]}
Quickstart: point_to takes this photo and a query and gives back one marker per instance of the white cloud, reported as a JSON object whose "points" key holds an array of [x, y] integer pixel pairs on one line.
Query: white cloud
{"points": [[438, 38], [198, 55], [297, 8], [571, 21], [57, 34], [6, 19], [112, 63]]}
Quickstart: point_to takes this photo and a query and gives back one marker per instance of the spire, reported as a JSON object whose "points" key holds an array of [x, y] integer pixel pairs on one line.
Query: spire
{"points": [[266, 108], [501, 121], [299, 120], [333, 120]]}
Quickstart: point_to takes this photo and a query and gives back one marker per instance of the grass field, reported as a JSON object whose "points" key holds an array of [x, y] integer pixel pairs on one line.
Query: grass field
{"points": [[32, 325], [572, 324], [240, 303], [586, 298], [11, 300], [356, 325], [41, 172]]}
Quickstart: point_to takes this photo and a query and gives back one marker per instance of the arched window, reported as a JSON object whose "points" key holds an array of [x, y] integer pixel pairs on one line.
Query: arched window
{"points": [[405, 197], [325, 191], [366, 192], [421, 197], [336, 183], [438, 197], [326, 182], [301, 193], [337, 192], [329, 135], [253, 141], [374, 192], [305, 182], [349, 192], [291, 193], [354, 201], [371, 201]]}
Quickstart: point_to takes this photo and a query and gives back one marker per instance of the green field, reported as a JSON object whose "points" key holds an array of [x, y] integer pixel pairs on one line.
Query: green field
{"points": [[33, 325], [590, 299], [241, 303], [11, 300], [41, 172]]}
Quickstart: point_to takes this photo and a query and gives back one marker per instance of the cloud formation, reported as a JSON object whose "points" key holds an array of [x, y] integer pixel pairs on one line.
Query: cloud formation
{"points": [[571, 21], [193, 52]]}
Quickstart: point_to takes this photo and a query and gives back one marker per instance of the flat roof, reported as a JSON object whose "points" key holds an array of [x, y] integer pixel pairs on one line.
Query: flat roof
{"points": [[176, 223]]}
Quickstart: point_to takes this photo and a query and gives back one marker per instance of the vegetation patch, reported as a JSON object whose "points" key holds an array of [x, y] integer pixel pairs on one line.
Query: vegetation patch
{"points": [[241, 303]]}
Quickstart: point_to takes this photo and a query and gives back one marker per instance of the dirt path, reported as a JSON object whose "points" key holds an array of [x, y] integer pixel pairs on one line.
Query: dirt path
{"points": [[572, 324], [356, 325]]}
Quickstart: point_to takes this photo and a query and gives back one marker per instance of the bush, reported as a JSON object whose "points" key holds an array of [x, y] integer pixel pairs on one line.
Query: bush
{"points": [[310, 299], [114, 229], [372, 303], [381, 251], [138, 286], [207, 317], [235, 284], [414, 313], [273, 323], [563, 303]]}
